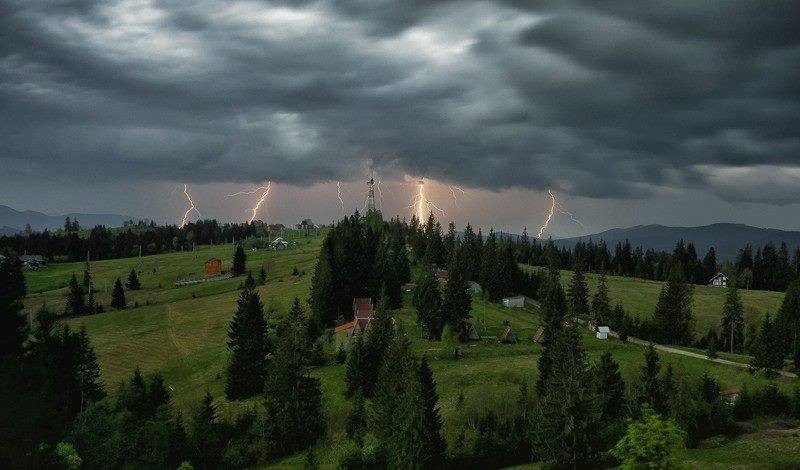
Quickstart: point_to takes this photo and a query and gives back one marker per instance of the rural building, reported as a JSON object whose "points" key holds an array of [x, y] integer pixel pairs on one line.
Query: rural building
{"points": [[212, 267], [469, 333], [362, 316], [33, 261], [409, 286], [730, 395], [537, 337], [514, 302], [602, 332], [279, 244], [475, 288], [441, 275], [508, 336], [720, 280]]}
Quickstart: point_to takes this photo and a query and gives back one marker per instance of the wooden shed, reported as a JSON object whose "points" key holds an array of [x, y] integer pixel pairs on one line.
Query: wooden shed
{"points": [[213, 267]]}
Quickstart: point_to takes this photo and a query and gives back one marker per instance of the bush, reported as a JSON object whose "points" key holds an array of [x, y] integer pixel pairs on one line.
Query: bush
{"points": [[649, 443], [743, 407], [771, 401]]}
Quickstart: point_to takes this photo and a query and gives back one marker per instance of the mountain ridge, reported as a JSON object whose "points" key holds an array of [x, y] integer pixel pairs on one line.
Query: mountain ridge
{"points": [[16, 220]]}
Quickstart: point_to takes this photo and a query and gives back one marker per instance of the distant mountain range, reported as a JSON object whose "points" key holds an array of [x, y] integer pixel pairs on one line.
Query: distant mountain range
{"points": [[12, 221], [725, 238]]}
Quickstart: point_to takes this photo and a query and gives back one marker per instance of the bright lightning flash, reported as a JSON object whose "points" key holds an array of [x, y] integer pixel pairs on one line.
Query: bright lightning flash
{"points": [[421, 205], [191, 206], [454, 190], [263, 192], [556, 206], [339, 195]]}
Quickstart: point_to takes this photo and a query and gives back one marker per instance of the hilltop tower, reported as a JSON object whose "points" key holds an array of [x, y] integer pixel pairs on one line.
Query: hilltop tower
{"points": [[370, 195]]}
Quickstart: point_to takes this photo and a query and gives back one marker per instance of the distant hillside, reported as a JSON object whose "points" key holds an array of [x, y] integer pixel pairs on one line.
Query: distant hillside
{"points": [[725, 238], [13, 220]]}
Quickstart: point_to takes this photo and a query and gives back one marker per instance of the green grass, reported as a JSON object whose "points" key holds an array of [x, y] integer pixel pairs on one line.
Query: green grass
{"points": [[182, 333], [639, 297]]}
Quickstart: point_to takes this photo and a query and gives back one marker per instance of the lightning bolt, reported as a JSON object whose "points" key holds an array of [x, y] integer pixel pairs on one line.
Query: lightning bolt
{"points": [[339, 195], [263, 192], [191, 206], [549, 214], [556, 206], [453, 191], [419, 203], [380, 193]]}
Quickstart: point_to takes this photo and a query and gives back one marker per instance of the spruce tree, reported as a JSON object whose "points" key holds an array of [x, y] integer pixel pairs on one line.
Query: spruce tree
{"points": [[355, 366], [249, 347], [88, 371], [673, 318], [357, 420], [239, 258], [91, 307], [133, 281], [457, 299], [262, 276], [601, 304], [428, 302], [323, 294], [118, 295], [377, 339], [13, 327], [206, 436], [610, 386], [553, 309], [488, 272], [87, 277], [76, 302], [432, 418], [767, 351], [788, 317], [578, 292], [732, 319]]}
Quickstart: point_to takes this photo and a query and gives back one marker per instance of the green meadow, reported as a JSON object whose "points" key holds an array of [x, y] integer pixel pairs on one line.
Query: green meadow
{"points": [[182, 332]]}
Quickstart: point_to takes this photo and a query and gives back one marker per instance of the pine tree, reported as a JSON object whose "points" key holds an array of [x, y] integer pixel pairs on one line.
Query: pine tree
{"points": [[262, 276], [91, 307], [355, 367], [323, 294], [292, 398], [432, 419], [87, 277], [732, 319], [376, 340], [673, 318], [88, 371], [206, 437], [601, 304], [133, 281], [118, 295], [767, 352], [249, 347], [488, 272], [457, 299], [649, 389], [239, 259], [554, 307], [357, 420], [578, 292], [568, 415], [428, 301], [788, 317], [76, 303], [610, 386], [13, 327]]}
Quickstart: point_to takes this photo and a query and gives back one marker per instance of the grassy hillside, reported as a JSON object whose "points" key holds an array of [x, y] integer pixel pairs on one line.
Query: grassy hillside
{"points": [[639, 297], [182, 332]]}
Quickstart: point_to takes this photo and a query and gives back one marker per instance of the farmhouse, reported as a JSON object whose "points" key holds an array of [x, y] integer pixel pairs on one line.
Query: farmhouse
{"points": [[362, 316], [720, 280], [212, 267], [602, 332], [514, 302], [33, 261], [279, 244]]}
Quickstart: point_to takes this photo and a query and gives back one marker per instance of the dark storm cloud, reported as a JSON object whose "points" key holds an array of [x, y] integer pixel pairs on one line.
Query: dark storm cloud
{"points": [[600, 99]]}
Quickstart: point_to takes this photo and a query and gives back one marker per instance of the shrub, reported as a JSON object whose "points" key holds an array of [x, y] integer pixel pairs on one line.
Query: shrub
{"points": [[771, 401], [649, 443]]}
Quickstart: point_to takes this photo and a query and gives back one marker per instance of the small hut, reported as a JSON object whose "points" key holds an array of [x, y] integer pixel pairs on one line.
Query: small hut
{"points": [[212, 267], [514, 302], [468, 333], [475, 287], [602, 332], [537, 337], [508, 336]]}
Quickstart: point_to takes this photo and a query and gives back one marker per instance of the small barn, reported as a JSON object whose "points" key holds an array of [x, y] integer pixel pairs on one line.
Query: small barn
{"points": [[719, 280], [602, 332], [475, 288], [33, 261], [514, 302], [468, 333], [212, 267], [279, 244], [507, 336]]}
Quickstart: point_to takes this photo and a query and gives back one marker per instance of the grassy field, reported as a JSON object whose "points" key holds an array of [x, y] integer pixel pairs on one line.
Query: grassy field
{"points": [[181, 331], [639, 297]]}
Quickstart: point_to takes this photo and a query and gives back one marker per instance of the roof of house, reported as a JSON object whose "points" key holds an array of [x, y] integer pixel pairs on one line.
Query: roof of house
{"points": [[508, 335], [278, 240], [603, 329], [730, 391], [344, 326], [362, 306], [514, 297], [210, 260], [25, 258], [718, 275], [441, 274]]}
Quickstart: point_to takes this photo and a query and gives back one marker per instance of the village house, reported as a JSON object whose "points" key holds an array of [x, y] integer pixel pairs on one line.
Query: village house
{"points": [[363, 313], [719, 280], [212, 267], [514, 302], [33, 261], [279, 244], [602, 332], [475, 288]]}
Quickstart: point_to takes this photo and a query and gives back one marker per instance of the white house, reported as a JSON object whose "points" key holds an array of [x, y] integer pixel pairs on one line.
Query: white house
{"points": [[475, 288], [279, 244], [514, 302], [602, 332], [720, 280]]}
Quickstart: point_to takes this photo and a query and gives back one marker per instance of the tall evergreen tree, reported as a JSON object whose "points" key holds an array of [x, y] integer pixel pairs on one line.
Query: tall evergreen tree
{"points": [[377, 339], [239, 259], [610, 386], [432, 420], [767, 350], [578, 292], [118, 295], [673, 318], [601, 303], [13, 327], [457, 299], [292, 398], [732, 319], [206, 436], [788, 318], [76, 302], [87, 277], [249, 347], [709, 265], [554, 307], [133, 281], [428, 302], [322, 297], [488, 272]]}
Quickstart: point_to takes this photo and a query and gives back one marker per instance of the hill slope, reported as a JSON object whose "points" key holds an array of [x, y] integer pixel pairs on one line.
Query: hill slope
{"points": [[725, 238]]}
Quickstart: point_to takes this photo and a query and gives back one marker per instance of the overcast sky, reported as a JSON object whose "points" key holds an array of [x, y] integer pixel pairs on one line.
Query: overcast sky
{"points": [[681, 112]]}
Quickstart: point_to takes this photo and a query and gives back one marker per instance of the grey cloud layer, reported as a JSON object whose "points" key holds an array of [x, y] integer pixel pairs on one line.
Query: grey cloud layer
{"points": [[601, 99]]}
